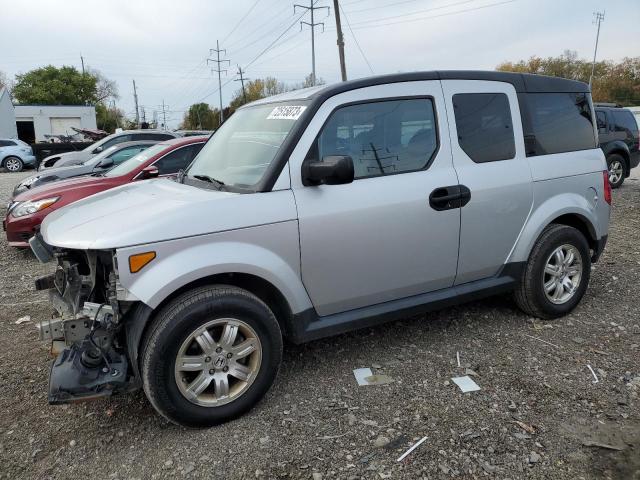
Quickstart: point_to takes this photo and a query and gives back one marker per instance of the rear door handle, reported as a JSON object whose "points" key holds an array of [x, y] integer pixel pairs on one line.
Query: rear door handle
{"points": [[447, 198]]}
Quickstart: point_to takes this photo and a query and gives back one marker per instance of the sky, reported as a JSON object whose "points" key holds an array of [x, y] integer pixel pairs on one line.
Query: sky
{"points": [[164, 44]]}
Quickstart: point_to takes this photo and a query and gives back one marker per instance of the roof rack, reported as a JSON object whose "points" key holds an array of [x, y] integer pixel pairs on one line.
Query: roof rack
{"points": [[604, 104]]}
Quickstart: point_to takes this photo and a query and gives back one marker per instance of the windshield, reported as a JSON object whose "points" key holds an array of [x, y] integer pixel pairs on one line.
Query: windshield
{"points": [[243, 147], [134, 162], [104, 154]]}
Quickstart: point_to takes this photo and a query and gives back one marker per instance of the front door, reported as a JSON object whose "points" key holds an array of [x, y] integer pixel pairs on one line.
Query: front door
{"points": [[378, 239]]}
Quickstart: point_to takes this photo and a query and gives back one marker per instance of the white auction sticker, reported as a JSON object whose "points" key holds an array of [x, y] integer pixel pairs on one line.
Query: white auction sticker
{"points": [[286, 112]]}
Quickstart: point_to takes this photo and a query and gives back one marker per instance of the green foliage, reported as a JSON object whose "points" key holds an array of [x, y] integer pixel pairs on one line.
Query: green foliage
{"points": [[255, 90], [55, 86], [201, 117], [615, 82], [108, 119]]}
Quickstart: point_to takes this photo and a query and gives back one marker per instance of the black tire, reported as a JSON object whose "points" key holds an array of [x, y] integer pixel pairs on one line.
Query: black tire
{"points": [[172, 326], [530, 295], [16, 164], [619, 159]]}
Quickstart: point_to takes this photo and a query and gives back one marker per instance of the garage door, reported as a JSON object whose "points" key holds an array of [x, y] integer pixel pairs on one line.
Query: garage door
{"points": [[62, 126]]}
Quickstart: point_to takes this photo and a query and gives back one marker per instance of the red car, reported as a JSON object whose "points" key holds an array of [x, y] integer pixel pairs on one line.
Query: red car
{"points": [[27, 210]]}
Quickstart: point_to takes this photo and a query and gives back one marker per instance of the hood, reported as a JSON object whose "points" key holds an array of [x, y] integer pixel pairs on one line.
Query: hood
{"points": [[157, 210], [69, 186], [68, 158]]}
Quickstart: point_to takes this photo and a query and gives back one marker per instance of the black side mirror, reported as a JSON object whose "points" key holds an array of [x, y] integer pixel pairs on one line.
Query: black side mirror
{"points": [[106, 163], [332, 170]]}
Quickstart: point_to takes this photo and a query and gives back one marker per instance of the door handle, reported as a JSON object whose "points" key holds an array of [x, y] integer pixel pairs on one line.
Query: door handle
{"points": [[446, 198]]}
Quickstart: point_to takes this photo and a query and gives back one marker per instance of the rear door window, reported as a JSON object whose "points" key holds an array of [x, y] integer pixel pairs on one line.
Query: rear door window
{"points": [[7, 143], [559, 122], [484, 126]]}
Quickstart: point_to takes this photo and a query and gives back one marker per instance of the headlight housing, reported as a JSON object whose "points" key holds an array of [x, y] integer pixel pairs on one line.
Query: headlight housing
{"points": [[30, 207]]}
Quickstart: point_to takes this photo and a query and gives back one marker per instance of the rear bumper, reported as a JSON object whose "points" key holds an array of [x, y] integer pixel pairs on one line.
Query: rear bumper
{"points": [[634, 160], [29, 160], [599, 248]]}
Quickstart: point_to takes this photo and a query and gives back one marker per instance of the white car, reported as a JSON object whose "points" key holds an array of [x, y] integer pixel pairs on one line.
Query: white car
{"points": [[15, 154]]}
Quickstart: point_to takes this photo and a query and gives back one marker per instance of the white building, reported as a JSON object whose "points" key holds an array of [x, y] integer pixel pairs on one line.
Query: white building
{"points": [[33, 122], [7, 117]]}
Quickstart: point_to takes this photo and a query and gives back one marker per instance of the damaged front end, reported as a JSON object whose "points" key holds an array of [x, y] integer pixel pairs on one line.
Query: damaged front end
{"points": [[86, 332]]}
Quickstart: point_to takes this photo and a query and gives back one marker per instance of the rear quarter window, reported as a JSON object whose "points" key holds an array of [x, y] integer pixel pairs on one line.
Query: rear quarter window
{"points": [[558, 122], [624, 120]]}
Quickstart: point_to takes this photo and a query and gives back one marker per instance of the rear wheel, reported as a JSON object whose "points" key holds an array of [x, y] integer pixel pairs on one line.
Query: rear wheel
{"points": [[557, 273], [616, 166], [210, 356], [13, 164]]}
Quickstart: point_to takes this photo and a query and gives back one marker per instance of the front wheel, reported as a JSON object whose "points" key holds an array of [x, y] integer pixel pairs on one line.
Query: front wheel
{"points": [[13, 164], [210, 356], [557, 273], [616, 167]]}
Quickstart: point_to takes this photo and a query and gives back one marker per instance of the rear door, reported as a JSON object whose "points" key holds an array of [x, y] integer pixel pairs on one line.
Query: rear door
{"points": [[489, 157], [377, 239]]}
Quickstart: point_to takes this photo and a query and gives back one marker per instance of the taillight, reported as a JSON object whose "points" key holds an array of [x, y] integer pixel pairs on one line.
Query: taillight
{"points": [[607, 187]]}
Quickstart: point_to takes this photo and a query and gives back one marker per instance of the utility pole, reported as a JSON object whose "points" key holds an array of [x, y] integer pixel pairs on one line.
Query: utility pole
{"points": [[312, 8], [343, 67], [241, 80], [164, 116], [599, 18], [135, 99], [217, 69], [82, 62]]}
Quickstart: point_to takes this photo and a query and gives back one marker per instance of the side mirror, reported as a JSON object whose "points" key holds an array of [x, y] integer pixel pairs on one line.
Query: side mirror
{"points": [[106, 163], [332, 170], [149, 172], [97, 150]]}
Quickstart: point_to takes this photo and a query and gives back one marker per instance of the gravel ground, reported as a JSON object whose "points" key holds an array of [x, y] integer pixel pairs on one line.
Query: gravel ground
{"points": [[535, 416]]}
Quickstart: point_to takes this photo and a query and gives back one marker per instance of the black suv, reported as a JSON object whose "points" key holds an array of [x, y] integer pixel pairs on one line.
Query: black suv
{"points": [[619, 140]]}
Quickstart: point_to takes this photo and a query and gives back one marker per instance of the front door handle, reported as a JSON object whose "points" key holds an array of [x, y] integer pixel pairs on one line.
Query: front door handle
{"points": [[447, 198]]}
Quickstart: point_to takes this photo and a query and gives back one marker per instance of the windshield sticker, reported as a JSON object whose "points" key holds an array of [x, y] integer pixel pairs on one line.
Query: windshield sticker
{"points": [[286, 112]]}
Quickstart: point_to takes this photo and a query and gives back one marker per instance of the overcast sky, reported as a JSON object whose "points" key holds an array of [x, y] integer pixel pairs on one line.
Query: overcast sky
{"points": [[163, 44]]}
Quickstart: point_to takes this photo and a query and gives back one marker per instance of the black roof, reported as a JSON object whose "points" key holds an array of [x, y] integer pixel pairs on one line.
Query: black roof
{"points": [[522, 82]]}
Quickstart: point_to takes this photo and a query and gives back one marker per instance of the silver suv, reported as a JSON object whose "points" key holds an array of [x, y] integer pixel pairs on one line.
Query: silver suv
{"points": [[317, 212]]}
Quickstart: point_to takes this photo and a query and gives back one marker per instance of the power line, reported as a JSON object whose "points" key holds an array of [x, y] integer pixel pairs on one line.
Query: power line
{"points": [[312, 8], [219, 71], [356, 40], [240, 21]]}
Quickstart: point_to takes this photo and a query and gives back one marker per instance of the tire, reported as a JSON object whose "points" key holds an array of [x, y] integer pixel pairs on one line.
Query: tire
{"points": [[13, 164], [216, 309], [617, 166], [530, 294]]}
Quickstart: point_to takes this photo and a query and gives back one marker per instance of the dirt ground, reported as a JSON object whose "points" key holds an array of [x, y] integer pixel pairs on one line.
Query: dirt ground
{"points": [[538, 414]]}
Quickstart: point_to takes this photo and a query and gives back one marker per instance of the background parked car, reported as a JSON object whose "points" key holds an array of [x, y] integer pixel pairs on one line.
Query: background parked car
{"points": [[619, 140], [15, 154], [27, 210], [75, 158], [109, 158], [193, 133]]}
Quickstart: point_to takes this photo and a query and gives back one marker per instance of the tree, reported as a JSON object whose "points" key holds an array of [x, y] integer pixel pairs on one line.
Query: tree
{"points": [[200, 116], [109, 118], [255, 90], [616, 82], [5, 82], [105, 89], [55, 86]]}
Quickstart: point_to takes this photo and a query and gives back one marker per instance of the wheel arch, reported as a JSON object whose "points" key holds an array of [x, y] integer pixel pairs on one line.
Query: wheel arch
{"points": [[577, 213], [141, 316]]}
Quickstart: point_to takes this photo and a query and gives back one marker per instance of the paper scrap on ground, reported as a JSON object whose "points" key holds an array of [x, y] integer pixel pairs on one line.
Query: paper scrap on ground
{"points": [[364, 376], [411, 449], [466, 384], [24, 319]]}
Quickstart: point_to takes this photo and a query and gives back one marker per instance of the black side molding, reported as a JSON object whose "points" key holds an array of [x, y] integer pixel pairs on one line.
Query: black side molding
{"points": [[306, 326]]}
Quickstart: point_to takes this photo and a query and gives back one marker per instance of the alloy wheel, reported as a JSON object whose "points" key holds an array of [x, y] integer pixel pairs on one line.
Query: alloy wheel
{"points": [[13, 164], [562, 274], [616, 171], [218, 362]]}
